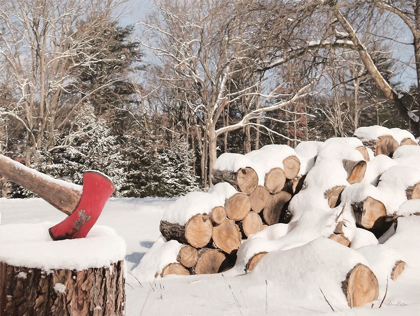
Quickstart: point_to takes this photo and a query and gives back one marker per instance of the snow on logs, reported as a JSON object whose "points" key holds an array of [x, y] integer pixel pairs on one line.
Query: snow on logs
{"points": [[39, 276], [338, 192]]}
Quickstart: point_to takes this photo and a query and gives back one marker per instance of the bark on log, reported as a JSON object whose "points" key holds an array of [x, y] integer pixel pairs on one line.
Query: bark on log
{"points": [[227, 236], [259, 198], [275, 206], [274, 180], [254, 261], [334, 195], [386, 145], [291, 166], [398, 269], [196, 232], [364, 152], [209, 261], [187, 256], [245, 180], [174, 268], [413, 192], [60, 195], [408, 141], [30, 291], [355, 170], [370, 213], [251, 224], [218, 215], [360, 286], [238, 206]]}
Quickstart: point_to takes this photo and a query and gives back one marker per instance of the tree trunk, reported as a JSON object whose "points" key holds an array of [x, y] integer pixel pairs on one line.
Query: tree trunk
{"points": [[31, 291], [212, 139]]}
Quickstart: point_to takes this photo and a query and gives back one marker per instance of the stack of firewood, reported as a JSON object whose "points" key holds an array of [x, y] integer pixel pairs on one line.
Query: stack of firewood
{"points": [[349, 190]]}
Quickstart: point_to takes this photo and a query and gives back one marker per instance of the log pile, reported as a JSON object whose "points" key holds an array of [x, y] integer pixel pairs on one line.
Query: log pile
{"points": [[348, 190]]}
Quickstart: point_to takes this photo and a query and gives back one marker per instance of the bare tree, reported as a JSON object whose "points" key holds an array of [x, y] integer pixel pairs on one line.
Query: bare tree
{"points": [[209, 58], [39, 43]]}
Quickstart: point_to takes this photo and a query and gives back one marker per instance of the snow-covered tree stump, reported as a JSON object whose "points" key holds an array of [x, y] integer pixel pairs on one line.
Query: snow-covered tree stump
{"points": [[39, 276]]}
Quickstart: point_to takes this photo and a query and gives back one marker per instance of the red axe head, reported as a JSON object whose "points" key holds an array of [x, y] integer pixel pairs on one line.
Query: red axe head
{"points": [[97, 188]]}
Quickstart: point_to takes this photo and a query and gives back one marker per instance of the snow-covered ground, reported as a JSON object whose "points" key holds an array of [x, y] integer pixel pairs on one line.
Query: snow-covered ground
{"points": [[137, 221]]}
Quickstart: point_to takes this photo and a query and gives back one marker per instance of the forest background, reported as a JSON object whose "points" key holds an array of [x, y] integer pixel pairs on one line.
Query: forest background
{"points": [[154, 102]]}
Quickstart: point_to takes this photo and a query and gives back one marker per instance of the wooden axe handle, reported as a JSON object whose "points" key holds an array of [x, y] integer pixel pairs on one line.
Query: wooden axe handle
{"points": [[60, 194]]}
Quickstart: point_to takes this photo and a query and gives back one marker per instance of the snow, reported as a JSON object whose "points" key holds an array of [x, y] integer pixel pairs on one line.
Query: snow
{"points": [[374, 132], [275, 287], [60, 287], [191, 204], [232, 162], [30, 245]]}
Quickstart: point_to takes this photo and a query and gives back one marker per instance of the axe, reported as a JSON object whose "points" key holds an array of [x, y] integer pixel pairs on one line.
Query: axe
{"points": [[82, 204]]}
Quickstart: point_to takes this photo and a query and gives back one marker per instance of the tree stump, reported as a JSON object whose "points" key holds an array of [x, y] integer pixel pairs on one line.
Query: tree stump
{"points": [[39, 276], [30, 291]]}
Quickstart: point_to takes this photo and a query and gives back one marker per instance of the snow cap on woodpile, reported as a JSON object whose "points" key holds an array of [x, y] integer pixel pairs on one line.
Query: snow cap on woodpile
{"points": [[30, 245], [382, 260], [359, 192], [406, 240], [232, 162], [408, 156], [408, 208], [376, 166], [338, 151], [374, 132], [362, 238], [307, 152], [350, 142], [191, 204], [156, 258], [393, 184], [222, 190], [303, 271]]}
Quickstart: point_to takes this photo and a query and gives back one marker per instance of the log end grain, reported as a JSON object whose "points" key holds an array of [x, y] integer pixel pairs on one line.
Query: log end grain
{"points": [[209, 261], [386, 145], [408, 141], [291, 166], [237, 206], [355, 170], [247, 180], [218, 215], [251, 224], [364, 152], [397, 269], [259, 198], [360, 286], [174, 269], [187, 256], [274, 180], [275, 206], [198, 231], [254, 261], [227, 236], [334, 195]]}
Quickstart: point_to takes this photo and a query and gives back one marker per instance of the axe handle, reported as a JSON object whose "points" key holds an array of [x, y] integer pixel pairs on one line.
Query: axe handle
{"points": [[60, 194]]}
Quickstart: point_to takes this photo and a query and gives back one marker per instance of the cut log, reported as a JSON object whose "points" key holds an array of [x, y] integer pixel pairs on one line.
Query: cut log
{"points": [[174, 268], [339, 236], [291, 166], [245, 180], [398, 269], [196, 232], [364, 152], [360, 286], [254, 261], [251, 224], [187, 256], [408, 141], [227, 236], [218, 215], [413, 192], [334, 195], [259, 198], [275, 180], [237, 206], [355, 170], [386, 145], [370, 213], [31, 291], [298, 184], [209, 261], [274, 207]]}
